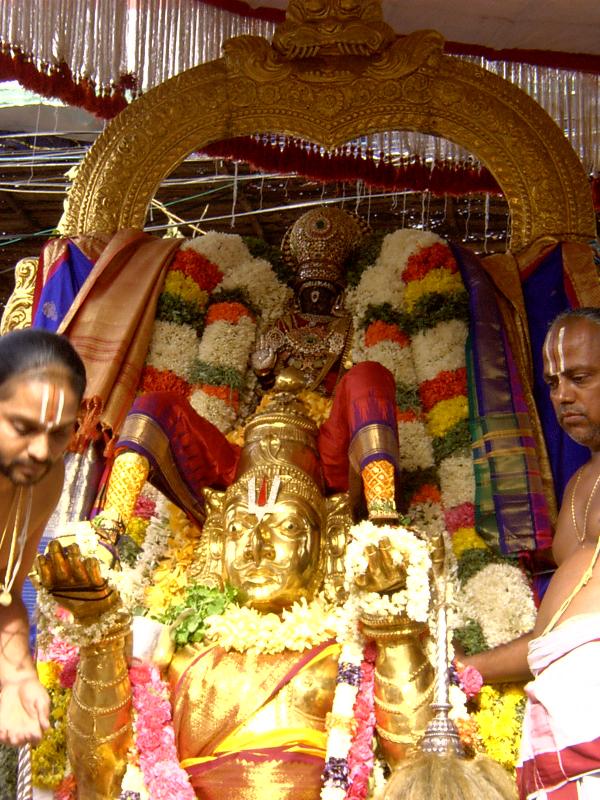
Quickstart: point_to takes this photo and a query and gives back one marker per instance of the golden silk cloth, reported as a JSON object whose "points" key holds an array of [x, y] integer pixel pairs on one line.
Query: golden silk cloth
{"points": [[216, 694], [110, 324]]}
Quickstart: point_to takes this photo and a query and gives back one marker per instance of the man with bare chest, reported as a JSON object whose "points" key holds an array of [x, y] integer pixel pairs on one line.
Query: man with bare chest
{"points": [[42, 380], [560, 752]]}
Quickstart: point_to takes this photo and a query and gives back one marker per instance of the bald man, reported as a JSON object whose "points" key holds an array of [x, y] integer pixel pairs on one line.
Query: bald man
{"points": [[42, 380], [561, 736]]}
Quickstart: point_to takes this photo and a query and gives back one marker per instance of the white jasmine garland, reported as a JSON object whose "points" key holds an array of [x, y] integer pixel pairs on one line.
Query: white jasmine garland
{"points": [[439, 348], [378, 285], [51, 624], [256, 277], [427, 516], [415, 450], [173, 347], [397, 247], [227, 345], [226, 250], [457, 480], [215, 410], [499, 598], [399, 360], [300, 627], [407, 551]]}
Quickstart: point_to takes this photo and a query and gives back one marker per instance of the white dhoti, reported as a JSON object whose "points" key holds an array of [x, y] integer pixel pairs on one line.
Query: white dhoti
{"points": [[560, 749]]}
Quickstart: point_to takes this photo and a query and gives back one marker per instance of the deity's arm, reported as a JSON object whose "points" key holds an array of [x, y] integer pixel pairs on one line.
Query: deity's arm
{"points": [[404, 684], [404, 675], [128, 475], [99, 730], [263, 358]]}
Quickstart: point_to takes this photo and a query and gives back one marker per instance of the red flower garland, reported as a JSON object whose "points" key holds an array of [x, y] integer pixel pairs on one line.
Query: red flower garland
{"points": [[427, 493], [437, 256], [446, 385], [222, 391], [206, 274], [462, 516], [162, 380]]}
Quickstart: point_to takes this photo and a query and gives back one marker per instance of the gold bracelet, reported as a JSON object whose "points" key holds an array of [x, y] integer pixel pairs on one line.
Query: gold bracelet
{"points": [[393, 708], [99, 712], [394, 682], [98, 739], [103, 684], [392, 737]]}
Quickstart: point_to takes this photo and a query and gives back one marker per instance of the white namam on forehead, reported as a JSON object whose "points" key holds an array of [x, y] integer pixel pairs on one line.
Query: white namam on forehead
{"points": [[52, 405], [555, 357]]}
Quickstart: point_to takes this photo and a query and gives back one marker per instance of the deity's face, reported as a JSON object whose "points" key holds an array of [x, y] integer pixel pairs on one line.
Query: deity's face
{"points": [[572, 371], [272, 560], [317, 298], [37, 414]]}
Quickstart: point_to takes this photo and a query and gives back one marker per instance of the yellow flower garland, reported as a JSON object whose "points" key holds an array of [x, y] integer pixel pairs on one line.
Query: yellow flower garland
{"points": [[445, 414], [500, 719], [48, 761]]}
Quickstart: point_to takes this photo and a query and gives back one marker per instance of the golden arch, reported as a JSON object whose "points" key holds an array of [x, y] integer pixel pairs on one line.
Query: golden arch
{"points": [[410, 86]]}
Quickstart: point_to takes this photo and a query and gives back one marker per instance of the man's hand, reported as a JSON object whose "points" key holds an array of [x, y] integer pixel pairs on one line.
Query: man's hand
{"points": [[24, 711], [75, 582], [382, 574]]}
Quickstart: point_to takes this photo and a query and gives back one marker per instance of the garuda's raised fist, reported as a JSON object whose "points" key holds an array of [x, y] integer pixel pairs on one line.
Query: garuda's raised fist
{"points": [[75, 582]]}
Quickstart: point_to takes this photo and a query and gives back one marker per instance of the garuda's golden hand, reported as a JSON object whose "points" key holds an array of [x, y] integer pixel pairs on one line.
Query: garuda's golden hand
{"points": [[382, 574], [75, 582]]}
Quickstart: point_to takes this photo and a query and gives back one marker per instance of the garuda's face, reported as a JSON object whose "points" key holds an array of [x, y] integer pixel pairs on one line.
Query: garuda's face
{"points": [[272, 560]]}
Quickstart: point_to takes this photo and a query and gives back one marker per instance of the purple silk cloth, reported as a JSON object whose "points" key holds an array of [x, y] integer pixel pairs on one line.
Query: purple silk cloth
{"points": [[64, 280], [546, 296], [503, 440]]}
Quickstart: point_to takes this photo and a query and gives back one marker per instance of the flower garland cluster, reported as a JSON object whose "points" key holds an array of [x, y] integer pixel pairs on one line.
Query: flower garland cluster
{"points": [[153, 769], [56, 668], [248, 294], [349, 759], [499, 718], [409, 553], [411, 314], [418, 331], [179, 320], [300, 627], [350, 725]]}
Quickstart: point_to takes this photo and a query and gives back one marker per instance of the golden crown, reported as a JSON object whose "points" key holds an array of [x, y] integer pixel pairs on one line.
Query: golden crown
{"points": [[280, 450], [320, 242]]}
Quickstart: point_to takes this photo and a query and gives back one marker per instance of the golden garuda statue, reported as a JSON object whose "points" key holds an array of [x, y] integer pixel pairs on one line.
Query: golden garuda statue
{"points": [[321, 603]]}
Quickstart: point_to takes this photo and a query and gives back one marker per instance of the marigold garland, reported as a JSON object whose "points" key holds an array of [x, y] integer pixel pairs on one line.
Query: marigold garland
{"points": [[227, 312], [437, 281], [379, 331], [446, 414], [48, 759]]}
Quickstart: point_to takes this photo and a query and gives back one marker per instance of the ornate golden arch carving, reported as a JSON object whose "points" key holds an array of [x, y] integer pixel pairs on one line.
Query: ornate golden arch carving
{"points": [[17, 312], [330, 99]]}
